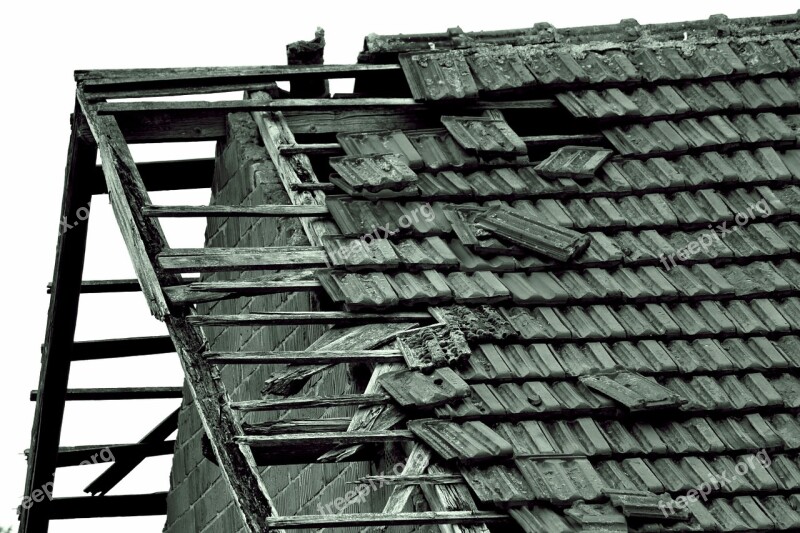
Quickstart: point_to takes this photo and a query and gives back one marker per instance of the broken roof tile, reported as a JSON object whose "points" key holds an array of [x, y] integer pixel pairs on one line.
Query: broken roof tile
{"points": [[438, 75], [431, 347], [561, 481], [573, 162], [373, 173], [499, 69], [411, 388], [633, 390], [478, 324], [469, 442], [551, 241], [358, 291], [498, 484], [380, 142], [486, 136]]}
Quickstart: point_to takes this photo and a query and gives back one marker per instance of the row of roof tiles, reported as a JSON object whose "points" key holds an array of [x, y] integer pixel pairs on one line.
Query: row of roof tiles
{"points": [[464, 73], [496, 363], [687, 99], [751, 242], [640, 285]]}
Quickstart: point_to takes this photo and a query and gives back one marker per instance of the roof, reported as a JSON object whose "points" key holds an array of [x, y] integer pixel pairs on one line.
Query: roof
{"points": [[618, 319]]}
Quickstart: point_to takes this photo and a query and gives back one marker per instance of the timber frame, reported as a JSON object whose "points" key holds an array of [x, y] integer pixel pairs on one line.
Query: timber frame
{"points": [[294, 131]]}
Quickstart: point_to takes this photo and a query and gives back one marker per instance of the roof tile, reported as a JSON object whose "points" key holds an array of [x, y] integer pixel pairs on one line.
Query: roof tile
{"points": [[632, 390], [438, 75], [440, 151], [573, 162], [469, 442], [381, 142], [432, 347], [486, 136], [413, 388], [358, 291], [499, 68], [498, 484], [561, 481], [429, 287]]}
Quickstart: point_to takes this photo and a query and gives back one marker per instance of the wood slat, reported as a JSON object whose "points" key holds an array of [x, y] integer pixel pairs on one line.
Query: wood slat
{"points": [[165, 175], [316, 425], [449, 496], [77, 455], [382, 519], [282, 318], [108, 506], [417, 462], [419, 479], [311, 149], [305, 357], [119, 393], [101, 286], [60, 328], [179, 211], [306, 402], [226, 259], [123, 466], [212, 291], [126, 347], [327, 439]]}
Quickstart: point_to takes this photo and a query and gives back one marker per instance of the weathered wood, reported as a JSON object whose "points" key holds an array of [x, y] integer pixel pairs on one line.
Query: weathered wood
{"points": [[177, 90], [329, 439], [235, 211], [182, 295], [420, 479], [165, 175], [383, 519], [125, 465], [237, 465], [417, 462], [311, 149], [100, 286], [108, 506], [77, 455], [306, 357], [120, 393], [323, 187], [277, 427], [127, 347], [292, 379], [150, 79], [60, 329], [375, 417], [552, 141], [292, 318], [307, 402], [226, 259], [448, 497]]}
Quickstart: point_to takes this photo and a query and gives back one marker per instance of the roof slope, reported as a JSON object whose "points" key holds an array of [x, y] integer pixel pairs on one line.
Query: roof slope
{"points": [[596, 389]]}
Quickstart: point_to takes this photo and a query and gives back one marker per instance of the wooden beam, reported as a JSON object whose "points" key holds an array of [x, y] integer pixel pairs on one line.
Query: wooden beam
{"points": [[81, 455], [165, 175], [450, 496], [108, 506], [308, 402], [283, 318], [120, 393], [227, 259], [237, 464], [126, 347], [383, 519], [111, 477], [235, 211], [279, 427], [311, 149], [305, 357], [419, 479], [327, 439], [101, 286], [60, 329], [417, 462], [212, 291]]}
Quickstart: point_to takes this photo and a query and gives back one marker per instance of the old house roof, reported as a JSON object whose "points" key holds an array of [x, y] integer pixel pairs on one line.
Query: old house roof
{"points": [[570, 255], [588, 389]]}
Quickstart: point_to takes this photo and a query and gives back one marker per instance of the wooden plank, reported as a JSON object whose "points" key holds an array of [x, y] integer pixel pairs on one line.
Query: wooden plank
{"points": [[305, 357], [227, 259], [277, 282], [176, 90], [127, 196], [382, 519], [119, 393], [126, 347], [419, 479], [235, 211], [132, 79], [237, 465], [60, 328], [446, 497], [101, 286], [165, 175], [323, 187], [311, 149], [82, 455], [316, 104], [329, 439], [276, 427], [108, 506], [417, 462], [124, 466], [291, 380], [307, 402], [376, 417], [291, 318]]}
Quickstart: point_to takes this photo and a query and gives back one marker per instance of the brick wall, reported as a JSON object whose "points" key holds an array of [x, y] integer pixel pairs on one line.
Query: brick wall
{"points": [[199, 500]]}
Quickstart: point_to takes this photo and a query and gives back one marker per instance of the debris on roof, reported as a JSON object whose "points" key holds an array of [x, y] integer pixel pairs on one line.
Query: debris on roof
{"points": [[573, 162], [432, 347]]}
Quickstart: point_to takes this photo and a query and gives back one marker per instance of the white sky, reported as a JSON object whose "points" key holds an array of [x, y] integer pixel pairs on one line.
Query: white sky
{"points": [[41, 46]]}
